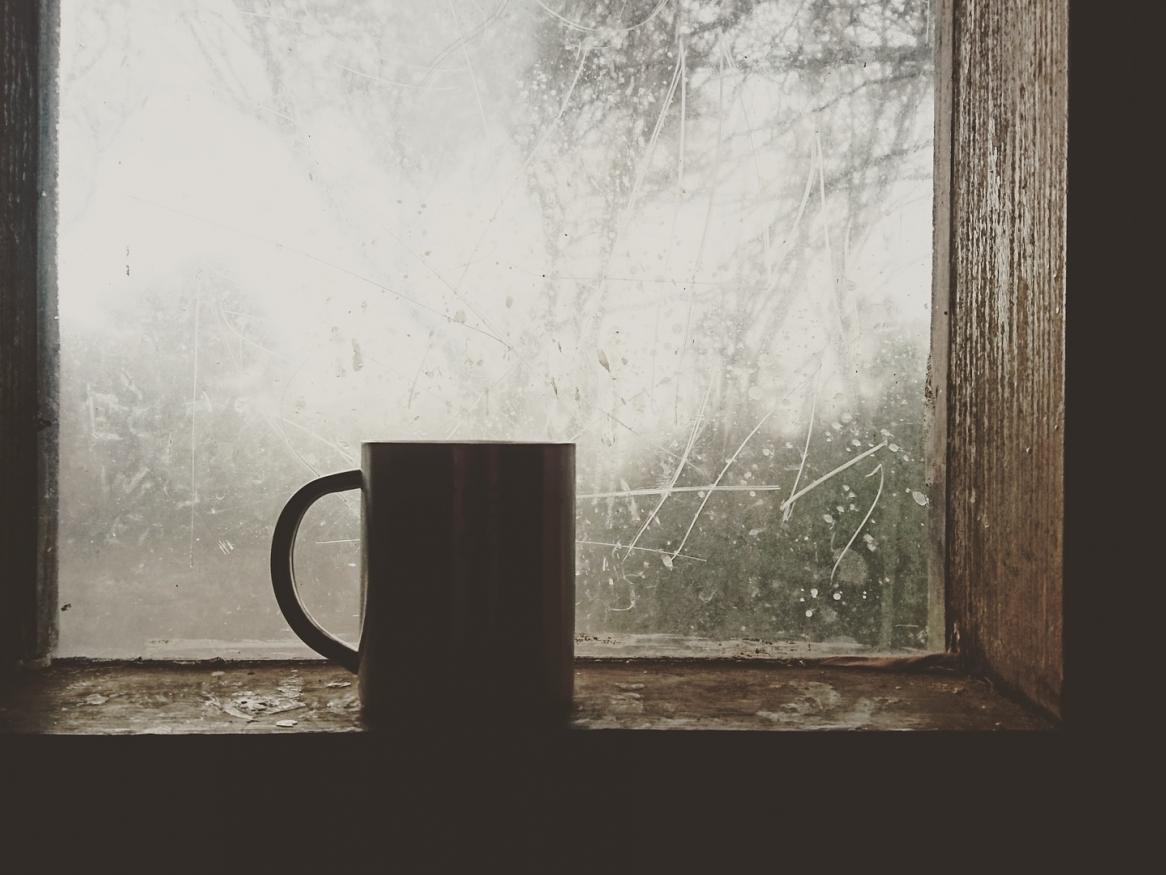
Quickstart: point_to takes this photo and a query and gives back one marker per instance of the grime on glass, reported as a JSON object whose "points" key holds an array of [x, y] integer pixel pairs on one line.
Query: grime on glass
{"points": [[692, 236]]}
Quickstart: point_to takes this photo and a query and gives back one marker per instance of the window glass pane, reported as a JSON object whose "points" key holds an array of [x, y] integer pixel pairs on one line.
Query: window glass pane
{"points": [[692, 236]]}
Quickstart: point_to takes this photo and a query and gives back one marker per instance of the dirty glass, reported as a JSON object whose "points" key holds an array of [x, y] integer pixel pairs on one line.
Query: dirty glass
{"points": [[692, 236]]}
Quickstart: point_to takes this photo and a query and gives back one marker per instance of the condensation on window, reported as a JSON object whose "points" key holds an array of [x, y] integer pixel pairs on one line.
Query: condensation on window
{"points": [[693, 236]]}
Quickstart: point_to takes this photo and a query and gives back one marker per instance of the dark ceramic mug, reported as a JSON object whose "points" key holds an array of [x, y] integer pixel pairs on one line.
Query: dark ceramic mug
{"points": [[467, 579]]}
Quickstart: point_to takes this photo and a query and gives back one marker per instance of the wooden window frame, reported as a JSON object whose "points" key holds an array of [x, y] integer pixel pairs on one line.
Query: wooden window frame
{"points": [[996, 383], [28, 331]]}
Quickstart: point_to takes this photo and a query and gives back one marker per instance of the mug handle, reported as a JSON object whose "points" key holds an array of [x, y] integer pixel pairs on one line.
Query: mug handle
{"points": [[283, 578]]}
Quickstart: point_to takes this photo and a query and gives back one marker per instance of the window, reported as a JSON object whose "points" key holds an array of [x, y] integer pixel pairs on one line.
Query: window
{"points": [[694, 237], [998, 350]]}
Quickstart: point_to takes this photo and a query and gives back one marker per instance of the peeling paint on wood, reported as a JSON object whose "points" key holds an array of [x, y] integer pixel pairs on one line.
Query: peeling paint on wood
{"points": [[127, 699], [1006, 411]]}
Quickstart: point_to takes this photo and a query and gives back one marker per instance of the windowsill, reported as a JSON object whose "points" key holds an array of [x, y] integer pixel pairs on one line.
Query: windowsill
{"points": [[125, 698]]}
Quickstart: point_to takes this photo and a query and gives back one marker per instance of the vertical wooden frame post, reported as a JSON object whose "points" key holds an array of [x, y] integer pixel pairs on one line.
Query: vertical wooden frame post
{"points": [[1006, 376], [938, 370], [28, 330]]}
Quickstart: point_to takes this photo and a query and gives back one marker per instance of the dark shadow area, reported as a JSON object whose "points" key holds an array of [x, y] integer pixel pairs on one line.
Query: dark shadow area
{"points": [[471, 799]]}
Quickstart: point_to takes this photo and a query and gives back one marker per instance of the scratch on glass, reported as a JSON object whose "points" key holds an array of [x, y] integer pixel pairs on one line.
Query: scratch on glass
{"points": [[877, 469], [679, 468]]}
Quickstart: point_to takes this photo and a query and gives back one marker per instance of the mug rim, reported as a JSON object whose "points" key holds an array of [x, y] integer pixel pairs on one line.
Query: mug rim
{"points": [[467, 443]]}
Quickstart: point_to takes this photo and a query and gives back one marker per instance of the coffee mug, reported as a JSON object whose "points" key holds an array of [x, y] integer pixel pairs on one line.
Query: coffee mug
{"points": [[467, 580]]}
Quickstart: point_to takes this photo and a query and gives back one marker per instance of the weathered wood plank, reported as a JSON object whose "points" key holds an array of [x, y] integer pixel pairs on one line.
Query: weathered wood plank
{"points": [[938, 364], [27, 585], [127, 699], [1005, 490]]}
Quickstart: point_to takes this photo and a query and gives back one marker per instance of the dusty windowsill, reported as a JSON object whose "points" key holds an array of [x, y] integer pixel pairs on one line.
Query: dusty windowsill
{"points": [[314, 697]]}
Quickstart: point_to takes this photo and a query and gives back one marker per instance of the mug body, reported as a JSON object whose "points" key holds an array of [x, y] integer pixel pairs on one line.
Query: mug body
{"points": [[468, 570]]}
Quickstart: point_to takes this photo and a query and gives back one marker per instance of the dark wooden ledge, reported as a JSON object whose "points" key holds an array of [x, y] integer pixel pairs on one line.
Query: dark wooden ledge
{"points": [[103, 698]]}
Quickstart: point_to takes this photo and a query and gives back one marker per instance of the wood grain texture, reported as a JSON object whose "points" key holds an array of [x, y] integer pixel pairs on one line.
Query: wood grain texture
{"points": [[1005, 472], [27, 591], [257, 699], [938, 365]]}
